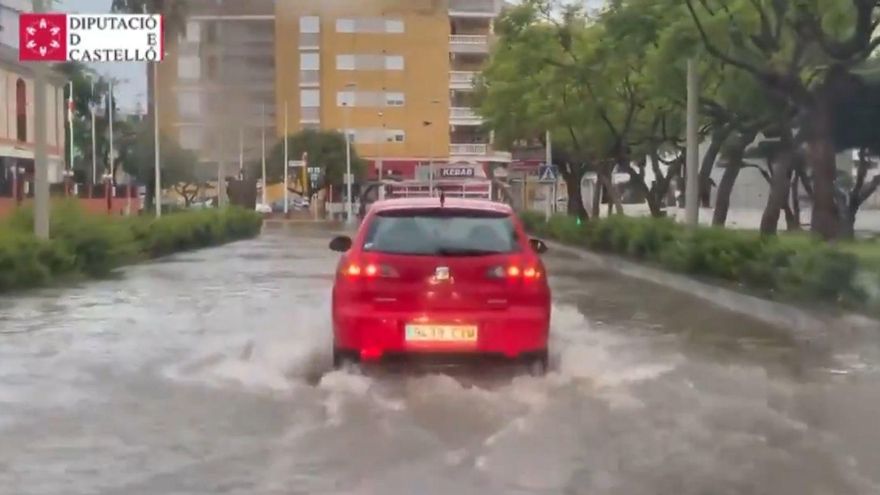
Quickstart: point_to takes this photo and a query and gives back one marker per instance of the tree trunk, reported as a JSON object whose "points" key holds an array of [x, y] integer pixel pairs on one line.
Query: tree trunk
{"points": [[777, 200], [595, 208], [613, 198], [795, 203], [575, 199], [821, 158], [718, 137], [725, 188], [734, 154]]}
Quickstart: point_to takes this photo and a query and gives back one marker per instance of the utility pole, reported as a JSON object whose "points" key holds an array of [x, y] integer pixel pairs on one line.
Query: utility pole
{"points": [[263, 129], [41, 156], [349, 209], [94, 138], [548, 161], [692, 187], [286, 161], [112, 151], [157, 190]]}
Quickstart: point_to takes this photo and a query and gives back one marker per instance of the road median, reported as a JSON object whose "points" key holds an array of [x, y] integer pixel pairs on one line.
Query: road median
{"points": [[86, 245], [790, 281]]}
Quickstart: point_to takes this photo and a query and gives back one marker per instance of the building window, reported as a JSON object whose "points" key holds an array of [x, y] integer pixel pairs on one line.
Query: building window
{"points": [[394, 99], [345, 62], [377, 135], [21, 110], [309, 98], [310, 61], [309, 24], [211, 32], [394, 62], [193, 31], [188, 68], [369, 62], [394, 26], [369, 25], [189, 104]]}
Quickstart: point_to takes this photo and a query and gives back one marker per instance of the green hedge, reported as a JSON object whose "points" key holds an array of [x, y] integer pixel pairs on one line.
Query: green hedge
{"points": [[793, 267], [94, 245]]}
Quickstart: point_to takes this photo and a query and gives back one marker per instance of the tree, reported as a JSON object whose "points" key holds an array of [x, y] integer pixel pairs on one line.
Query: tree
{"points": [[178, 167], [801, 52], [521, 95], [325, 149]]}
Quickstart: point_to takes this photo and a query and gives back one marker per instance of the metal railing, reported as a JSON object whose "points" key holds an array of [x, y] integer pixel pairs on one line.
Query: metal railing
{"points": [[469, 43], [468, 149], [463, 113], [473, 6], [462, 78]]}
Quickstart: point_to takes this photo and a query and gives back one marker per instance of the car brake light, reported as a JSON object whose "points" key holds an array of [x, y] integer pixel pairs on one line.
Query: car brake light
{"points": [[370, 270], [514, 272]]}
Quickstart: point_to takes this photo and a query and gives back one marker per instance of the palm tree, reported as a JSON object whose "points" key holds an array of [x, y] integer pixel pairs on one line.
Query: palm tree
{"points": [[173, 20]]}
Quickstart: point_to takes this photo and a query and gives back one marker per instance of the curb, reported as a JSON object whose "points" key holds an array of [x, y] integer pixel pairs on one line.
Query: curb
{"points": [[802, 323]]}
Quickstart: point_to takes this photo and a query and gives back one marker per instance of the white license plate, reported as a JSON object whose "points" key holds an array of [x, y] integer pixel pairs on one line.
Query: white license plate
{"points": [[441, 333]]}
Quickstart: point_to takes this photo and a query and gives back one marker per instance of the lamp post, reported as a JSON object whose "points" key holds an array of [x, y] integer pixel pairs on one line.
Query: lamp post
{"points": [[349, 211], [431, 153]]}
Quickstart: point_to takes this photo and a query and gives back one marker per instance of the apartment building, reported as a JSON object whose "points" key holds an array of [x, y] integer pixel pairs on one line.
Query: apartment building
{"points": [[396, 74], [217, 83]]}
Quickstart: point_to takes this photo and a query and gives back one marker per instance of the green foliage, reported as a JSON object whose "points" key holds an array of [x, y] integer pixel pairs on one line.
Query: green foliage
{"points": [[795, 267], [95, 245], [326, 149]]}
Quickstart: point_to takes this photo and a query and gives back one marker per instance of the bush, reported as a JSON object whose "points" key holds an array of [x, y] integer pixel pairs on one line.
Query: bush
{"points": [[94, 245], [795, 266]]}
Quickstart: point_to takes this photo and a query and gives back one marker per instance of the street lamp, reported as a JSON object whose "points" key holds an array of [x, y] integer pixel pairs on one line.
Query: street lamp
{"points": [[431, 158], [349, 212]]}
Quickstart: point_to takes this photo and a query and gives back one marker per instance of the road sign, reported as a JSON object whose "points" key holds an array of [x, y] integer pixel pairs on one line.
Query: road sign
{"points": [[548, 173], [348, 178], [296, 164]]}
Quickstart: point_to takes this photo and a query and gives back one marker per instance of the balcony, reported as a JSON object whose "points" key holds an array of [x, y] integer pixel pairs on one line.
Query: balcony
{"points": [[473, 8], [468, 149], [464, 116], [469, 43], [462, 80]]}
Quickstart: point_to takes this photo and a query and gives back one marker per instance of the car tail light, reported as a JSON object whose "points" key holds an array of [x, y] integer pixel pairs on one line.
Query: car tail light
{"points": [[369, 270], [514, 272]]}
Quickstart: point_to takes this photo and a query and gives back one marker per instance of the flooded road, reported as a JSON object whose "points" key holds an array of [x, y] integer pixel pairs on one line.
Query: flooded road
{"points": [[209, 373]]}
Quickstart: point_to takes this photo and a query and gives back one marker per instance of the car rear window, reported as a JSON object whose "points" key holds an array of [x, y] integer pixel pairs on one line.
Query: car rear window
{"points": [[441, 231]]}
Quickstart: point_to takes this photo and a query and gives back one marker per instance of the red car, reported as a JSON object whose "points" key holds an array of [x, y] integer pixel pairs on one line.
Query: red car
{"points": [[440, 279]]}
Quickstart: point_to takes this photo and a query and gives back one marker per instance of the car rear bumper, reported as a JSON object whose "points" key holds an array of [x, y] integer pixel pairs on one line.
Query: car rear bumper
{"points": [[513, 333]]}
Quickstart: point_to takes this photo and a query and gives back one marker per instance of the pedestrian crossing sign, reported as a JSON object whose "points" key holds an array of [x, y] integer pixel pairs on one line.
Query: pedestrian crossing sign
{"points": [[548, 173]]}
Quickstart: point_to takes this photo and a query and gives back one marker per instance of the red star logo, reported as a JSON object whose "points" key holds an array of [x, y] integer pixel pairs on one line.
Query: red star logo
{"points": [[43, 37]]}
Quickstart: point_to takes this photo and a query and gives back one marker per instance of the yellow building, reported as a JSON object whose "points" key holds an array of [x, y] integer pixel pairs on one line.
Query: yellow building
{"points": [[396, 73]]}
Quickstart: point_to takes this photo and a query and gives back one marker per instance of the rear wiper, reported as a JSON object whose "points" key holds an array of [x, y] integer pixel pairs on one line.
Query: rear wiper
{"points": [[447, 251]]}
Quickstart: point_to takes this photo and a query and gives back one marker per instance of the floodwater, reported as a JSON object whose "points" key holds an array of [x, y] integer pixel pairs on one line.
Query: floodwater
{"points": [[209, 373]]}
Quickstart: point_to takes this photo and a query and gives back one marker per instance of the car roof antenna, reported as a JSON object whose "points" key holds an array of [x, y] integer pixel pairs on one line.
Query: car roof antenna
{"points": [[442, 198]]}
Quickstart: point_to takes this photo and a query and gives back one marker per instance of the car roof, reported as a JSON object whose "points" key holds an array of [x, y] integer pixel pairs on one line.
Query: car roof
{"points": [[412, 203]]}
